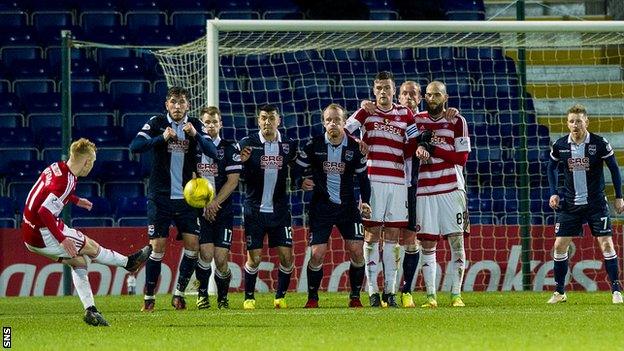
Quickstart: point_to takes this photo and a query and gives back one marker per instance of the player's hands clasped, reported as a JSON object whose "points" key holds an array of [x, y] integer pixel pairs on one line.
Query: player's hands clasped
{"points": [[245, 154], [69, 247], [211, 210], [189, 129], [553, 202], [619, 206], [169, 133]]}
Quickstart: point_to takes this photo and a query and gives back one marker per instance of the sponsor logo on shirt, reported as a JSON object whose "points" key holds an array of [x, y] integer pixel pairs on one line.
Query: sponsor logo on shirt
{"points": [[271, 162], [333, 167], [591, 149], [388, 128], [178, 146], [578, 164], [208, 169], [348, 155]]}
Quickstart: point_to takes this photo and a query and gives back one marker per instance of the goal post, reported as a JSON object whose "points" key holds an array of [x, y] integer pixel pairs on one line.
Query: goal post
{"points": [[512, 80]]}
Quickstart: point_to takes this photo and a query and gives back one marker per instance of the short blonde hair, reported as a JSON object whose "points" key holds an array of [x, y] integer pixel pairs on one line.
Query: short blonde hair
{"points": [[337, 107], [578, 109], [82, 147], [211, 110]]}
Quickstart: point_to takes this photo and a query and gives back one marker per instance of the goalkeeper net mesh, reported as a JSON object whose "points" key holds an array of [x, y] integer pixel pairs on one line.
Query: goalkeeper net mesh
{"points": [[510, 125]]}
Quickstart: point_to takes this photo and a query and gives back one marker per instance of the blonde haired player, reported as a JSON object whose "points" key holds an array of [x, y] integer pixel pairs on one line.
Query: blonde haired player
{"points": [[45, 233]]}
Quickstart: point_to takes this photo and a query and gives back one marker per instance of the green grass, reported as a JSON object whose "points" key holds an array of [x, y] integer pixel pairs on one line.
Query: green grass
{"points": [[490, 321]]}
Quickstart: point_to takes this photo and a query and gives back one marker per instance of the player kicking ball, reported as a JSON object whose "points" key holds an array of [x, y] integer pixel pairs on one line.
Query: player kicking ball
{"points": [[45, 233]]}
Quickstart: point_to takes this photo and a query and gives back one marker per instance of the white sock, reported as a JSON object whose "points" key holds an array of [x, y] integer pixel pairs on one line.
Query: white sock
{"points": [[371, 259], [391, 260], [110, 257], [429, 268], [203, 264], [458, 262], [83, 288]]}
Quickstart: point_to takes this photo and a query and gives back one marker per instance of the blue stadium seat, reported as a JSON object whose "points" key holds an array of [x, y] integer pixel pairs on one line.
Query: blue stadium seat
{"points": [[132, 124], [161, 35], [465, 15], [9, 54], [51, 155], [383, 15], [84, 86], [13, 18], [113, 154], [160, 88], [52, 20], [121, 87], [17, 137], [101, 208], [94, 21], [102, 5], [7, 207], [132, 222], [25, 170], [37, 68], [8, 223], [283, 15], [112, 35], [147, 103], [115, 190], [185, 20], [104, 56], [9, 103], [37, 122], [5, 86], [87, 120], [24, 88], [83, 68], [126, 68], [18, 191], [91, 102], [87, 188], [86, 222], [120, 171], [188, 5], [136, 20], [18, 36], [11, 120], [131, 207], [102, 136]]}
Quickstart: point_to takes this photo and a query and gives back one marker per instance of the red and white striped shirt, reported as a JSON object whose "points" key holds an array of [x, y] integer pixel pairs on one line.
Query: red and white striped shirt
{"points": [[52, 191], [450, 136], [386, 133]]}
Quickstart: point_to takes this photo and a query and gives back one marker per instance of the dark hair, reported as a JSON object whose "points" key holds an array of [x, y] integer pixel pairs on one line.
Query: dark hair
{"points": [[211, 110], [578, 109], [384, 75], [177, 91], [268, 109]]}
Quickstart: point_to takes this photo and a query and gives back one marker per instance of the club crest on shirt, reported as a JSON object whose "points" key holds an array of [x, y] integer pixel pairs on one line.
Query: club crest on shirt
{"points": [[348, 155], [220, 154], [286, 148], [591, 149]]}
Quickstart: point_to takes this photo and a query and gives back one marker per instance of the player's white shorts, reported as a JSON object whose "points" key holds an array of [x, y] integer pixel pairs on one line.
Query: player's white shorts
{"points": [[442, 214], [53, 248], [388, 205]]}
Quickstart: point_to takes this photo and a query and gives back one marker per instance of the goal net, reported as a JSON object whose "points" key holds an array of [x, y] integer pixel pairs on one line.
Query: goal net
{"points": [[512, 81]]}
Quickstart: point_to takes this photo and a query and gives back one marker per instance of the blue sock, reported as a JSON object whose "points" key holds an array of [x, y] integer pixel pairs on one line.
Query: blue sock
{"points": [[283, 281], [561, 270], [410, 262], [314, 281], [187, 267], [202, 273], [611, 266], [356, 279], [152, 272], [251, 275]]}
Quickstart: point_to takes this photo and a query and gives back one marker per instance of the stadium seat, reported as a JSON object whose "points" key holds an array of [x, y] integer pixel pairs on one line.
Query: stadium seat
{"points": [[101, 208], [18, 36], [18, 191], [115, 190], [17, 137], [7, 207], [126, 68], [24, 170], [9, 54], [11, 120], [131, 207], [83, 86], [8, 223], [88, 120], [283, 15], [147, 103], [132, 123], [83, 68], [104, 55], [91, 103], [102, 136], [136, 20], [87, 188], [28, 69], [13, 18], [94, 21], [120, 171], [52, 20], [37, 122], [161, 35], [5, 85], [51, 155], [121, 87], [113, 154], [132, 222], [24, 88], [82, 222], [185, 20], [9, 103]]}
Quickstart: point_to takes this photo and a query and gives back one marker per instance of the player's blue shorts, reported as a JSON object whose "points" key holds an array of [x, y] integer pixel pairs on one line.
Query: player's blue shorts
{"points": [[276, 225], [411, 208], [161, 211], [218, 232], [570, 219], [324, 215]]}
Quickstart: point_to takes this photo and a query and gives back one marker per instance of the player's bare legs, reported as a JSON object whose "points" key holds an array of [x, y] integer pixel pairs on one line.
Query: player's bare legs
{"points": [[391, 258], [458, 267], [371, 259], [611, 266], [429, 270]]}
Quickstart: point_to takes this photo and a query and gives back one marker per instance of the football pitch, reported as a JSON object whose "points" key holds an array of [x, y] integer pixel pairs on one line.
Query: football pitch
{"points": [[490, 321]]}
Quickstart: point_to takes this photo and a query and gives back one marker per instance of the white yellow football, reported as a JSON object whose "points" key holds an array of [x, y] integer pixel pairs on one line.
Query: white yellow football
{"points": [[198, 192]]}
